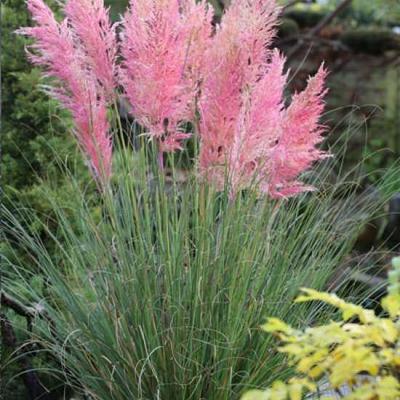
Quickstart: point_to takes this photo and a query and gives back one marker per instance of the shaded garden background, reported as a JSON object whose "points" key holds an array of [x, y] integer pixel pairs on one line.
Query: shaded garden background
{"points": [[359, 41]]}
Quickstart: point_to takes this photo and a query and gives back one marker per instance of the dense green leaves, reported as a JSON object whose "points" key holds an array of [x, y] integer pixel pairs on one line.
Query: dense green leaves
{"points": [[30, 121]]}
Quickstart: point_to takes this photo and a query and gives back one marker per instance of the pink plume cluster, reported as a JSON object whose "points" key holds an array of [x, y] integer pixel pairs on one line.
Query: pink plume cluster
{"points": [[228, 83], [248, 138], [162, 46], [80, 53]]}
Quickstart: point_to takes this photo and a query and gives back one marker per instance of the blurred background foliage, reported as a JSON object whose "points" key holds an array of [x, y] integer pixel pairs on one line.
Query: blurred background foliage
{"points": [[364, 11]]}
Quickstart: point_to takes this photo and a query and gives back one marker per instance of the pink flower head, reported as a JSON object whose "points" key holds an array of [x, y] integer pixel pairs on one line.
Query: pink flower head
{"points": [[236, 59], [162, 46], [91, 24], [258, 127], [247, 138], [59, 50], [248, 27], [301, 133]]}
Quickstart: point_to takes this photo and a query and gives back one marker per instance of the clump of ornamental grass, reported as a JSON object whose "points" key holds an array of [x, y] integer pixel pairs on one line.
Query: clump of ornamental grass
{"points": [[162, 293], [358, 356], [158, 294]]}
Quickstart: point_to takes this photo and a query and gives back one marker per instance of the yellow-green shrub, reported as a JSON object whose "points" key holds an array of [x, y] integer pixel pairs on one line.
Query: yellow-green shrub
{"points": [[361, 353]]}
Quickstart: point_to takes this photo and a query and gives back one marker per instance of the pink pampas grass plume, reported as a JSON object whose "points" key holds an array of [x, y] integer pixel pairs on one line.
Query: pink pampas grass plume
{"points": [[91, 24], [301, 132], [162, 47], [258, 127], [247, 137], [58, 49], [236, 60]]}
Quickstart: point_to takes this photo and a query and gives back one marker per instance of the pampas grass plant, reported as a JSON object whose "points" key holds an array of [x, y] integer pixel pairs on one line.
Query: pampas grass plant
{"points": [[156, 288], [160, 292]]}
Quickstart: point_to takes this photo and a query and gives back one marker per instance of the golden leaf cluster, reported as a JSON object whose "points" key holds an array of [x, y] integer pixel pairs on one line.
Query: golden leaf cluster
{"points": [[357, 357]]}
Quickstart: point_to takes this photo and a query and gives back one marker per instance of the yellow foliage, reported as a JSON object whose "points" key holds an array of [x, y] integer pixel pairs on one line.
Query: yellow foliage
{"points": [[360, 353]]}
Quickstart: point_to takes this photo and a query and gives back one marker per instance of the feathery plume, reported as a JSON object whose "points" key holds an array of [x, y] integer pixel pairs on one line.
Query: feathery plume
{"points": [[162, 46], [237, 58], [173, 67], [246, 135], [91, 24], [258, 127], [59, 50], [301, 132]]}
